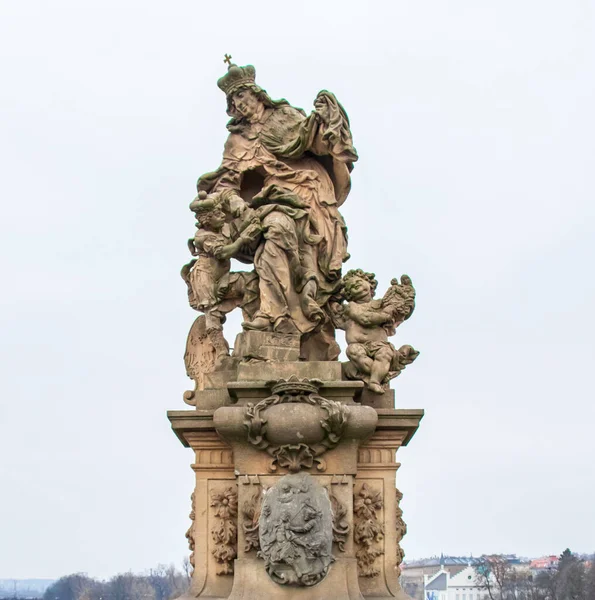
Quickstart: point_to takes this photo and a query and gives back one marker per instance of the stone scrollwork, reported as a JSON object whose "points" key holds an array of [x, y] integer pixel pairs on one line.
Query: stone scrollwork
{"points": [[250, 516], [341, 526], [225, 531], [369, 530], [303, 453]]}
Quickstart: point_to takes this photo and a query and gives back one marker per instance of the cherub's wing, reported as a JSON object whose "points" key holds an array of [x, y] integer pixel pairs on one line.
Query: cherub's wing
{"points": [[200, 353]]}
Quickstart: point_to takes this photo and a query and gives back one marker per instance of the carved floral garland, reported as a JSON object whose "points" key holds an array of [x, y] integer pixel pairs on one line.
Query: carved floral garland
{"points": [[401, 531], [369, 531], [190, 532], [225, 531]]}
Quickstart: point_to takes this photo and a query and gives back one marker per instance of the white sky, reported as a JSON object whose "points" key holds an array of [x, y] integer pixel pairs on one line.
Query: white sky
{"points": [[474, 123]]}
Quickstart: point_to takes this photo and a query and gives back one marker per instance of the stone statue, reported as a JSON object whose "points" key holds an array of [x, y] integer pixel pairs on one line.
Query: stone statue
{"points": [[212, 287], [294, 451], [368, 323], [294, 170]]}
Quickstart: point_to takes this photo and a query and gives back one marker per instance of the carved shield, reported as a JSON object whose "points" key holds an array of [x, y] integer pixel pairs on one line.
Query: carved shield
{"points": [[296, 531]]}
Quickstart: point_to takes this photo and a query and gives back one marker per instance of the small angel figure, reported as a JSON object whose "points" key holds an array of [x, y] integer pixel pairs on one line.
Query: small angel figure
{"points": [[368, 323], [212, 287]]}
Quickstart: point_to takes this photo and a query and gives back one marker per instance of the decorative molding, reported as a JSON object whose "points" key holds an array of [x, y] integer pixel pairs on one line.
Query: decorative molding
{"points": [[380, 450], [368, 530], [298, 456], [210, 451], [225, 531]]}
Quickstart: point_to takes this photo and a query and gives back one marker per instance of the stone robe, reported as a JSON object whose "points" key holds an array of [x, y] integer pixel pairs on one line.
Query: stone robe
{"points": [[295, 156]]}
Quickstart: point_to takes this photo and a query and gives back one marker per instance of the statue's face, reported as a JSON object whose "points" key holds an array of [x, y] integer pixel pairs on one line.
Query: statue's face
{"points": [[213, 220], [217, 219], [360, 289], [246, 103]]}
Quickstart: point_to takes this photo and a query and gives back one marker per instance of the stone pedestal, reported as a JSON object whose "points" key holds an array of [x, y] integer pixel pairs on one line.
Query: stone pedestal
{"points": [[273, 419]]}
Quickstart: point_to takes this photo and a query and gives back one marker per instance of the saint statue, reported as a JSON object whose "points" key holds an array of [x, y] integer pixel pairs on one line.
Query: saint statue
{"points": [[286, 174]]}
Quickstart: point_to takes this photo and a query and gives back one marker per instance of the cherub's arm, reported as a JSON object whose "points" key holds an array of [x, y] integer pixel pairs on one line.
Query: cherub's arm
{"points": [[372, 317]]}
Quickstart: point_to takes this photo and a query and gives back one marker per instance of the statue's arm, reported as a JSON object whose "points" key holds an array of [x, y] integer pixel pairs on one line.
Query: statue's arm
{"points": [[230, 250], [337, 314]]}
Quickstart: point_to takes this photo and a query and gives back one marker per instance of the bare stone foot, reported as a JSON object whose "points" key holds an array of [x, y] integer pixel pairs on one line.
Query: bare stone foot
{"points": [[375, 387]]}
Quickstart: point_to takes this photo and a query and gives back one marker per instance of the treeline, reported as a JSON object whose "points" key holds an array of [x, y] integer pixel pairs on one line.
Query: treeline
{"points": [[572, 579], [162, 583]]}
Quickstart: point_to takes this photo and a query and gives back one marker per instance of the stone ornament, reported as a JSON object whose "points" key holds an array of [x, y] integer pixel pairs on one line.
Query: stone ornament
{"points": [[296, 531], [199, 357], [341, 527], [368, 529], [401, 531], [225, 531], [190, 532], [294, 451], [368, 323], [322, 422], [251, 516]]}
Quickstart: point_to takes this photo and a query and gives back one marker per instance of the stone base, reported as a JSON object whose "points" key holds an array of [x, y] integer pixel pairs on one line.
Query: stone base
{"points": [[252, 583], [249, 430], [267, 346]]}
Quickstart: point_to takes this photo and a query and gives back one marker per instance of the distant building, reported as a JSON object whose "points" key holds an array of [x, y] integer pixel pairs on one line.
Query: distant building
{"points": [[447, 577], [415, 575], [545, 563], [460, 586]]}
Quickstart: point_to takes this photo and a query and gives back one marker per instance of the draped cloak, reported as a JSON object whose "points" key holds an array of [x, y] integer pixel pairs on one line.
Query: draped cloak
{"points": [[307, 157]]}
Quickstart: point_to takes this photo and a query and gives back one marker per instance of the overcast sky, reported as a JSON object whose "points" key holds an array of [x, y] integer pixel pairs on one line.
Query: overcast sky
{"points": [[474, 121]]}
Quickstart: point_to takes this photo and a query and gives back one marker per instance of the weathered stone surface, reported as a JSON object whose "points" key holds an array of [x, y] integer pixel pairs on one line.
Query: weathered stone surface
{"points": [[294, 453], [267, 346], [384, 400], [219, 379], [368, 323], [294, 428], [296, 531], [211, 398], [325, 371]]}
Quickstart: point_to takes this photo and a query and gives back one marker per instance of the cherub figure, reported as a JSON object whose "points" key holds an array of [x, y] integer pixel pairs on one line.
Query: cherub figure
{"points": [[369, 322], [212, 287]]}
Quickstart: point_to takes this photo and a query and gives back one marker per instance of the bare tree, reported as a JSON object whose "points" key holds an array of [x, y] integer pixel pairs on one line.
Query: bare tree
{"points": [[590, 580], [77, 586], [187, 570], [497, 577]]}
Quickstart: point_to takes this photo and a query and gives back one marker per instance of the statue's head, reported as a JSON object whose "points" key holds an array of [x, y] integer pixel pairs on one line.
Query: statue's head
{"points": [[207, 208], [359, 286], [244, 97]]}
